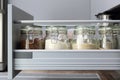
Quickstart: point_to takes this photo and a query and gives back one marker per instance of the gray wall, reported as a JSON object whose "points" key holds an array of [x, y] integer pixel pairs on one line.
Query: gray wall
{"points": [[65, 9], [56, 9]]}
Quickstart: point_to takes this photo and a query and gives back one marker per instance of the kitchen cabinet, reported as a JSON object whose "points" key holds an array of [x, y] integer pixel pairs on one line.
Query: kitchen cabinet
{"points": [[19, 59]]}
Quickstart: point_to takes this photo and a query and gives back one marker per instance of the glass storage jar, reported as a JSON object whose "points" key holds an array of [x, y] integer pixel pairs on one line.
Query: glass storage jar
{"points": [[56, 38], [84, 38], [115, 32], [39, 42], [26, 39], [118, 35], [106, 37]]}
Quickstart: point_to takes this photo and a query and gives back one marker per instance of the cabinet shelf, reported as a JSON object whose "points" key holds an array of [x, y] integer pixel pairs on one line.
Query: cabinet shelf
{"points": [[37, 50], [64, 22], [33, 59]]}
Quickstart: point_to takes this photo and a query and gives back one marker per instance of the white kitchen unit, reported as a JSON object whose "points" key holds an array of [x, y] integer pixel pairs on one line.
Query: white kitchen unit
{"points": [[3, 34], [33, 59]]}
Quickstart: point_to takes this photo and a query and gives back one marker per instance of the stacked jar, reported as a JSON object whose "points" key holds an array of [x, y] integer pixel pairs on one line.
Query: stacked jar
{"points": [[56, 38], [84, 38], [31, 37]]}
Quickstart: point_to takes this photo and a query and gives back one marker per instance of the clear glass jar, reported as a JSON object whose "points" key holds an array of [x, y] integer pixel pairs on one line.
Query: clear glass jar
{"points": [[118, 35], [26, 39], [106, 37], [56, 38], [39, 42], [84, 38], [115, 31]]}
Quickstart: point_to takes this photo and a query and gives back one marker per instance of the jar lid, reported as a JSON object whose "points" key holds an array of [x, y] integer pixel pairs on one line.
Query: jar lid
{"points": [[92, 30], [37, 29], [62, 29], [105, 30], [26, 29], [81, 29], [51, 29]]}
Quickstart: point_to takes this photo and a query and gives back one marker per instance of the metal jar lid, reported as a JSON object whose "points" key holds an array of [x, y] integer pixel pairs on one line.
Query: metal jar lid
{"points": [[26, 29], [62, 30], [81, 29], [51, 29], [37, 29], [105, 30]]}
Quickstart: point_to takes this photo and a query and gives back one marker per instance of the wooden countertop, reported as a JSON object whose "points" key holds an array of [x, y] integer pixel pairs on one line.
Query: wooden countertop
{"points": [[104, 75]]}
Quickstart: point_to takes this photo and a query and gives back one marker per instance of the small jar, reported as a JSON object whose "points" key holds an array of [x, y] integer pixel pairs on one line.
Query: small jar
{"points": [[84, 38], [56, 38], [39, 42], [106, 37], [27, 39]]}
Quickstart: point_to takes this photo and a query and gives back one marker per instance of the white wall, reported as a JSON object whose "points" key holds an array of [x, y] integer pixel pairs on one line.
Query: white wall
{"points": [[98, 6], [56, 9]]}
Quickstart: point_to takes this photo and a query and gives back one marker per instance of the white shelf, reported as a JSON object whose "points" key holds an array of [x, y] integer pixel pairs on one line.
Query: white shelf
{"points": [[94, 50], [64, 22]]}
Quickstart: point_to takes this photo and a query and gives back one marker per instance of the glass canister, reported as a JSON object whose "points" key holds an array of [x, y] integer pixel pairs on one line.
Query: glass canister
{"points": [[39, 42], [84, 38], [106, 37], [56, 38], [26, 39], [115, 31], [118, 35]]}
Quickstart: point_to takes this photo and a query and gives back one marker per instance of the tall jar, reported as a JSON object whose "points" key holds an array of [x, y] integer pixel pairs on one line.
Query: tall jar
{"points": [[115, 31], [56, 38], [39, 42], [118, 36], [27, 39], [84, 38], [106, 37]]}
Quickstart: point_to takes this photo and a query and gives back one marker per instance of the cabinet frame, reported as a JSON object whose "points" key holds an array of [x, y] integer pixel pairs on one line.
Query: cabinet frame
{"points": [[64, 59]]}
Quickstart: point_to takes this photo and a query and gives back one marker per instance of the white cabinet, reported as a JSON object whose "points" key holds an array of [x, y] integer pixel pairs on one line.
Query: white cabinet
{"points": [[59, 59]]}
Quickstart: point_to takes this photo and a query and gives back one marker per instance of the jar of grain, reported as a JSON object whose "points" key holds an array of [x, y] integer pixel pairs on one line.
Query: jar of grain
{"points": [[39, 42], [27, 39], [84, 38], [56, 38]]}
